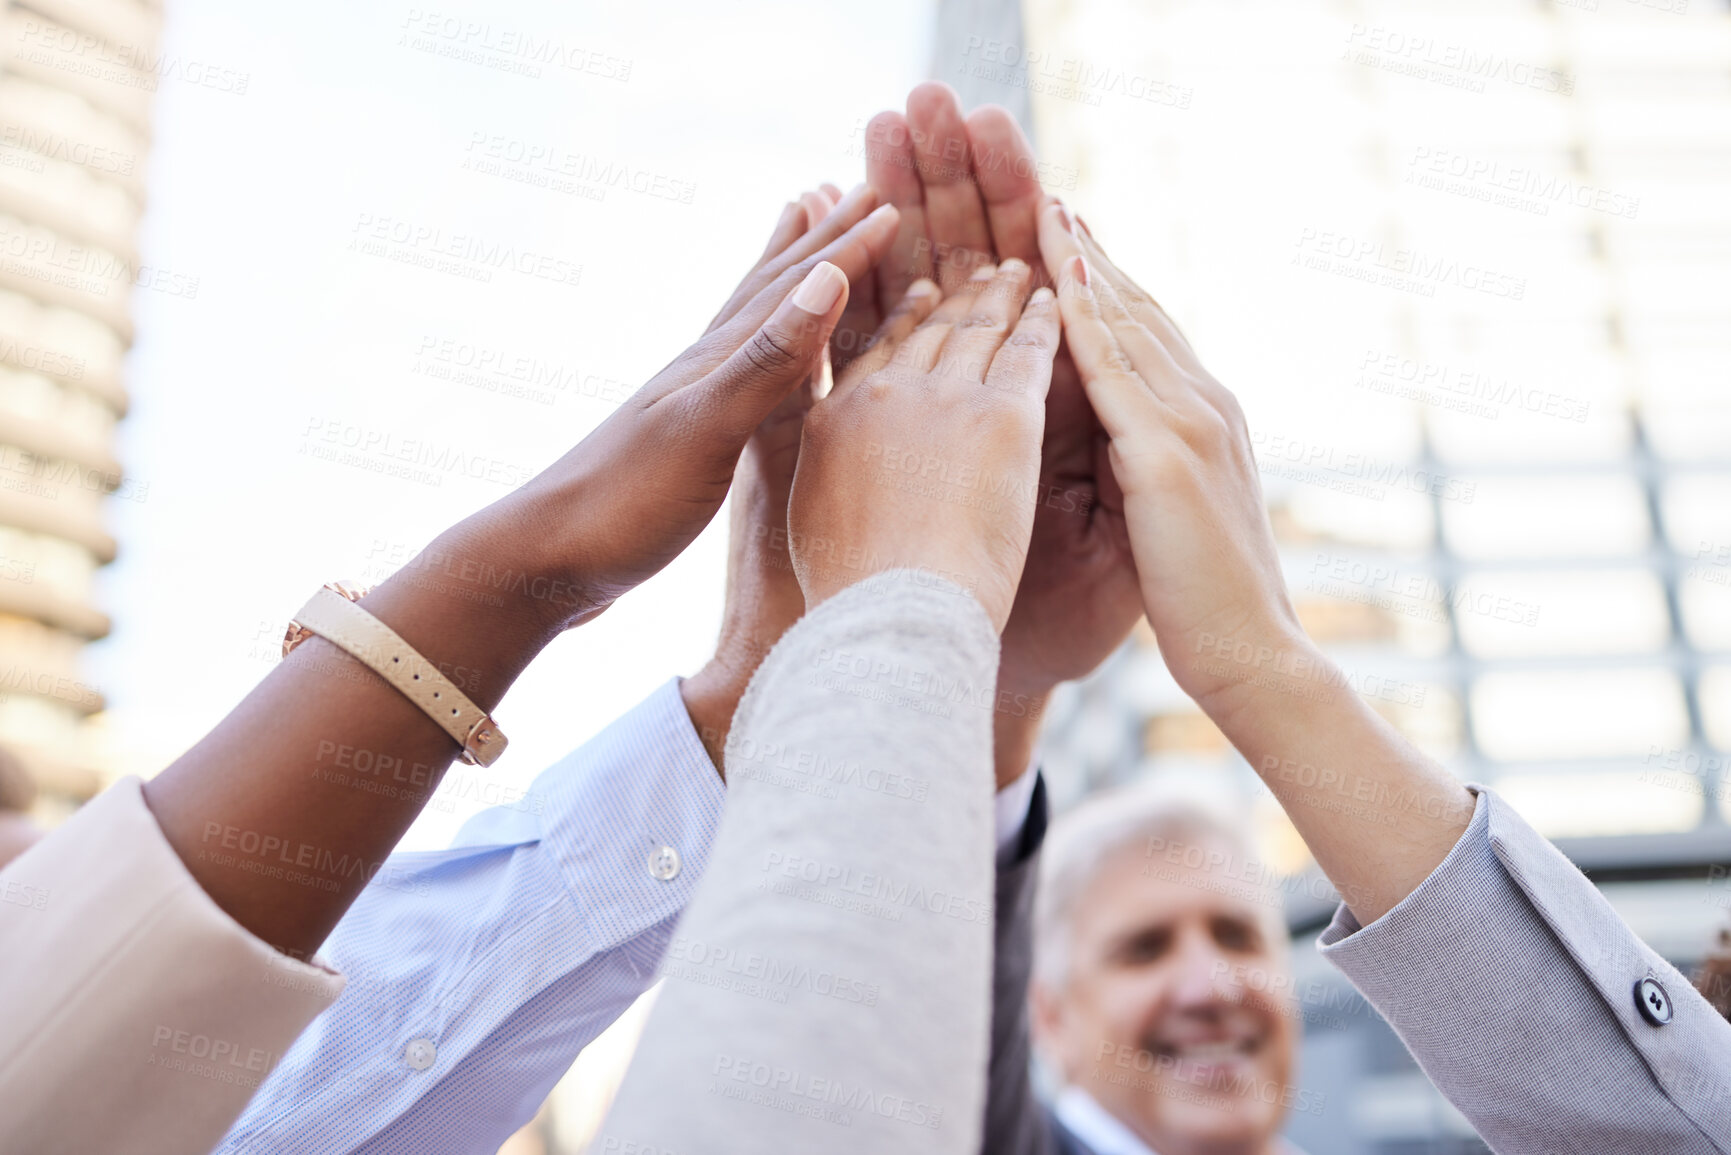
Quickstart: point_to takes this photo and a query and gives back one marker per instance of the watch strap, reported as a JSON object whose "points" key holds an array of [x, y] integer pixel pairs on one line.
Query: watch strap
{"points": [[348, 626]]}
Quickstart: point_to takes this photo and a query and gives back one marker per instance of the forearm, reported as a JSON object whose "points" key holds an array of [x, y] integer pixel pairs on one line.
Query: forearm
{"points": [[264, 810], [883, 900], [1377, 814]]}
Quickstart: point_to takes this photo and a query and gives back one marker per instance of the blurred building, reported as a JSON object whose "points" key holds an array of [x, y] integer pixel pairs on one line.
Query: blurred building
{"points": [[76, 83], [1503, 499]]}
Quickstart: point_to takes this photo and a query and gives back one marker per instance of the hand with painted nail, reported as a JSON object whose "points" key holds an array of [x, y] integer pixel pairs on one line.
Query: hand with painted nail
{"points": [[1180, 450], [1213, 591], [638, 489], [924, 454]]}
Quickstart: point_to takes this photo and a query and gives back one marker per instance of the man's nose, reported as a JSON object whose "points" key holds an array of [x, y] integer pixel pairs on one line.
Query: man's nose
{"points": [[1203, 977]]}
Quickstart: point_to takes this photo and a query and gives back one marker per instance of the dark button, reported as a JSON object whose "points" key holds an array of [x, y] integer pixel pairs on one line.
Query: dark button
{"points": [[1652, 1001]]}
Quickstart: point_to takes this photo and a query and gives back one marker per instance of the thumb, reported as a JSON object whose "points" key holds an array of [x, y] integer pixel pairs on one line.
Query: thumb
{"points": [[785, 350]]}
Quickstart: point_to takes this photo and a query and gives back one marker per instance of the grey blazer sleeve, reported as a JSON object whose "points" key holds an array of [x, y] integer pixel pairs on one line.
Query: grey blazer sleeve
{"points": [[1016, 1121], [1514, 984], [864, 906]]}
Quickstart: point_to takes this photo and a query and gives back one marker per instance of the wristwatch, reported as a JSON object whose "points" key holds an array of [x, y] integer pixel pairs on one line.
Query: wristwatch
{"points": [[332, 614]]}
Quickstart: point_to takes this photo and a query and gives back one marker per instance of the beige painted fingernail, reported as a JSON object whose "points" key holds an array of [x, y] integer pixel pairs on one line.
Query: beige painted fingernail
{"points": [[821, 289], [924, 287], [1067, 217], [1014, 266], [984, 273]]}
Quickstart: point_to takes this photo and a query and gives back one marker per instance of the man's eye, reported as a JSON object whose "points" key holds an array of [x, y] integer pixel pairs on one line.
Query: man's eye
{"points": [[1230, 934], [1146, 948]]}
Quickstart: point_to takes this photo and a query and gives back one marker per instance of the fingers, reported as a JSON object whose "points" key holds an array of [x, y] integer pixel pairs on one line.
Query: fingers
{"points": [[789, 228], [910, 312], [854, 251], [1150, 357], [818, 205], [733, 399], [850, 211], [1119, 397], [1134, 299], [890, 169], [1023, 364], [974, 340], [956, 222], [1143, 332], [919, 353], [1008, 179]]}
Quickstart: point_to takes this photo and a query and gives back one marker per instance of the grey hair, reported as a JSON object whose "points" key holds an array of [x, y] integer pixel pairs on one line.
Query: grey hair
{"points": [[1081, 842]]}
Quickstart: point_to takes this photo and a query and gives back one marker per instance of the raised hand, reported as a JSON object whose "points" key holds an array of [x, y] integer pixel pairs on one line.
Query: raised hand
{"points": [[1211, 584], [1180, 450], [968, 193], [652, 475], [917, 457]]}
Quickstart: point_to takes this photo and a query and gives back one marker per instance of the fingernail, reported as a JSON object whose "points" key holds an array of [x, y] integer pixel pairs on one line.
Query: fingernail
{"points": [[1015, 266], [821, 289], [1079, 270], [924, 287], [1041, 296], [1067, 217], [984, 273], [882, 210]]}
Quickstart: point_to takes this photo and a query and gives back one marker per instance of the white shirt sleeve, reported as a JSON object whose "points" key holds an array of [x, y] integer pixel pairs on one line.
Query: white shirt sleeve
{"points": [[477, 973]]}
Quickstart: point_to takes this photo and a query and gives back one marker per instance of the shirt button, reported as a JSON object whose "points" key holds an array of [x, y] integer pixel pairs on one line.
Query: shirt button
{"points": [[664, 863], [1653, 1002], [420, 1053]]}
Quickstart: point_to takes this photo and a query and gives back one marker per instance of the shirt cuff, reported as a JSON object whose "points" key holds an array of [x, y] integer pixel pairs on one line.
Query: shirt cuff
{"points": [[1348, 945], [1010, 815], [631, 832]]}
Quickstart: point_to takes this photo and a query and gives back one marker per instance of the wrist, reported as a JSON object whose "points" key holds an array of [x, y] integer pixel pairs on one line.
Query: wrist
{"points": [[711, 698], [1256, 677], [519, 556], [1015, 733]]}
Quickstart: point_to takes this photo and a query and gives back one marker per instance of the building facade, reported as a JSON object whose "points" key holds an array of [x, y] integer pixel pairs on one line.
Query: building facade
{"points": [[76, 85]]}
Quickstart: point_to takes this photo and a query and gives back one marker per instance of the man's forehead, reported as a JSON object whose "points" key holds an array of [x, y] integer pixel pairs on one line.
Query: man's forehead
{"points": [[1156, 882]]}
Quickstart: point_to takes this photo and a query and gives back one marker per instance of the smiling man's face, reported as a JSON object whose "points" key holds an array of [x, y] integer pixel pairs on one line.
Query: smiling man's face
{"points": [[1165, 1013]]}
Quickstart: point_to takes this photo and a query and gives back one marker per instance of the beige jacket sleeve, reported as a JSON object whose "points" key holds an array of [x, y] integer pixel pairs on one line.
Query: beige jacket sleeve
{"points": [[833, 991], [138, 1016]]}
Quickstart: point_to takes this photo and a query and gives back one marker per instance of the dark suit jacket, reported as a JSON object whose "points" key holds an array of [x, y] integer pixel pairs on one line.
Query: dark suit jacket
{"points": [[1017, 1122]]}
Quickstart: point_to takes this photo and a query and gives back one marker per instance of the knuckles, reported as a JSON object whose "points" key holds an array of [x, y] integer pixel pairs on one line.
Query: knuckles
{"points": [[772, 350]]}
